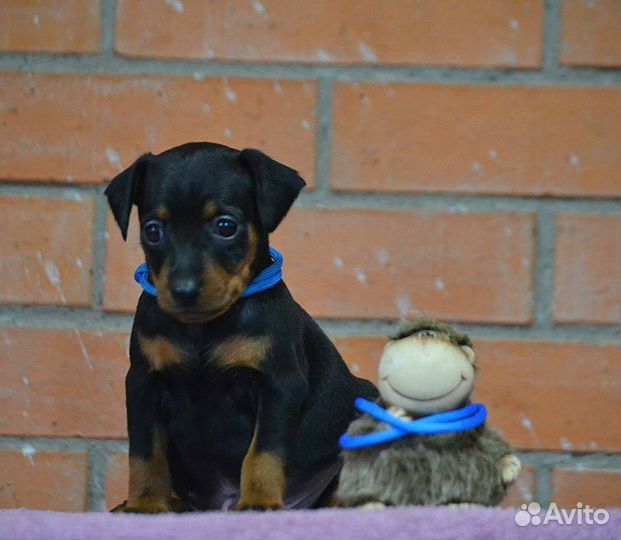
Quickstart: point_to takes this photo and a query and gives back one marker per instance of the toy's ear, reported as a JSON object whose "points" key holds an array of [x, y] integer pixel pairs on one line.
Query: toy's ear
{"points": [[123, 190], [277, 186]]}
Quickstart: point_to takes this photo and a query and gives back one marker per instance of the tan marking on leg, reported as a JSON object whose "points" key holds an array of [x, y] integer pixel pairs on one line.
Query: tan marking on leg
{"points": [[149, 481], [240, 351], [159, 352], [262, 480]]}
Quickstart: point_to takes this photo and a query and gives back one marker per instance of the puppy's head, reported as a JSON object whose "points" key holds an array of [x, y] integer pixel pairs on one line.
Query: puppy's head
{"points": [[205, 214]]}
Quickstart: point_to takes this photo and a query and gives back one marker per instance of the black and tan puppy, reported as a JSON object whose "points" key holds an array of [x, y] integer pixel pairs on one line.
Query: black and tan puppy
{"points": [[231, 402]]}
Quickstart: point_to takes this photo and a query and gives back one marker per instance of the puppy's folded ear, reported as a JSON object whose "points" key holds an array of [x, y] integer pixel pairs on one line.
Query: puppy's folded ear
{"points": [[277, 186], [123, 190]]}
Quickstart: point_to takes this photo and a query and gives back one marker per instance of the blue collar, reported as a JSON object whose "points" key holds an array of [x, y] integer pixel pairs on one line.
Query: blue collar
{"points": [[456, 421], [271, 276]]}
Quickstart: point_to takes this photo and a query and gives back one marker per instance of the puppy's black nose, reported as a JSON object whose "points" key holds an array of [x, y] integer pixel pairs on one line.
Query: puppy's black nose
{"points": [[185, 291]]}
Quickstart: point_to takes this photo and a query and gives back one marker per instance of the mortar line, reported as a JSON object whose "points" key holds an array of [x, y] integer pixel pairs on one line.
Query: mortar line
{"points": [[62, 318], [100, 250], [457, 203], [63, 444], [99, 458], [108, 28], [438, 202], [543, 486], [9, 188], [200, 69], [595, 461], [606, 461], [92, 484], [324, 136], [552, 24], [544, 269], [55, 318], [592, 334]]}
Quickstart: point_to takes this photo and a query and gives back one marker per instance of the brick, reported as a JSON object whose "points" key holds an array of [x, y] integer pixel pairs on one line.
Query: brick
{"points": [[497, 140], [489, 33], [598, 489], [523, 489], [43, 480], [121, 292], [588, 269], [71, 128], [63, 383], [540, 395], [45, 251], [371, 264], [546, 396], [361, 354], [57, 26], [591, 34], [117, 479]]}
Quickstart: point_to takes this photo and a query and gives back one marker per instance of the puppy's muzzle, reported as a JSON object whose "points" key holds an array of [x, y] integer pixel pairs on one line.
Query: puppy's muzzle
{"points": [[185, 291]]}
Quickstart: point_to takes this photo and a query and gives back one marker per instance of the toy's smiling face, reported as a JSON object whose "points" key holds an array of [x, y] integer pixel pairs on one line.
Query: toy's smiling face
{"points": [[426, 373]]}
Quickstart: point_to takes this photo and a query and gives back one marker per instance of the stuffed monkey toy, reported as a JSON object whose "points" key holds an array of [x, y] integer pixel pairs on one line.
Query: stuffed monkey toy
{"points": [[426, 378]]}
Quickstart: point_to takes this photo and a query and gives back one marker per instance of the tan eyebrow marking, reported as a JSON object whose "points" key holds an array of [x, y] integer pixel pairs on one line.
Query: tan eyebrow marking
{"points": [[161, 213], [210, 211]]}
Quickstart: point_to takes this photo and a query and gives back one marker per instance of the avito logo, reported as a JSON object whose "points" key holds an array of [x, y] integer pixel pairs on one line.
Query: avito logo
{"points": [[582, 514]]}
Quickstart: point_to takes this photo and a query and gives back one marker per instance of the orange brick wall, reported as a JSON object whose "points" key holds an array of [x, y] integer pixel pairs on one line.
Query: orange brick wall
{"points": [[463, 161]]}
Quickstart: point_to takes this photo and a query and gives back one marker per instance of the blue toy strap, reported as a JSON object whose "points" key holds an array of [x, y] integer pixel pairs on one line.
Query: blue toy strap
{"points": [[469, 418], [456, 421], [353, 442], [381, 414]]}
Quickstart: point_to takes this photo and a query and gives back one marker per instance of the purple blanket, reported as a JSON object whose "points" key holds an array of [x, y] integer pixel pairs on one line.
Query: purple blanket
{"points": [[397, 523]]}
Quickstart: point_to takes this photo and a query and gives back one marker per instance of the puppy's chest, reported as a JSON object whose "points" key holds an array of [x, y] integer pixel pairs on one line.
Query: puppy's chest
{"points": [[199, 394], [210, 411], [165, 353]]}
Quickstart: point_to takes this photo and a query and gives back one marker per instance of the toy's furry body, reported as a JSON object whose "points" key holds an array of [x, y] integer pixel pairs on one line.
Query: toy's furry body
{"points": [[423, 469]]}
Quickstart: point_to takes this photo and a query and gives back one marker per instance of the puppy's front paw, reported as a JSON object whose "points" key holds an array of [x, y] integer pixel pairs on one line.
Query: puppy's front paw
{"points": [[143, 507], [262, 482], [256, 504], [510, 467]]}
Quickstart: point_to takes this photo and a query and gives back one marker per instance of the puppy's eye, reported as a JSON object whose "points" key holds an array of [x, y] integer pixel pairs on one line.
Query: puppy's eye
{"points": [[226, 227], [153, 232]]}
